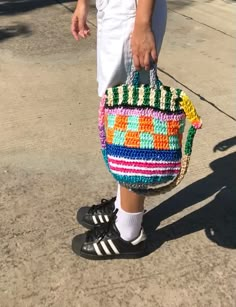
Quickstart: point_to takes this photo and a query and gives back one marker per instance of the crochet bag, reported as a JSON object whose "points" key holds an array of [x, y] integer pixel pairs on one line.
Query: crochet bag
{"points": [[141, 128]]}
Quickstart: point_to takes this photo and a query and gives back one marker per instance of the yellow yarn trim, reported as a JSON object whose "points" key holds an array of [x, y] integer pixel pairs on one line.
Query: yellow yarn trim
{"points": [[190, 111]]}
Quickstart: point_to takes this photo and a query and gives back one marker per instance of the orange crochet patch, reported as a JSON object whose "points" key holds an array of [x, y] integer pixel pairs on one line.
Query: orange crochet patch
{"points": [[132, 139], [172, 127], [161, 141], [121, 122], [146, 124], [110, 135], [105, 120]]}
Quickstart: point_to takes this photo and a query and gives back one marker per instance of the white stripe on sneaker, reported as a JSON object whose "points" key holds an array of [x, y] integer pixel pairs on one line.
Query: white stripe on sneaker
{"points": [[106, 218], [101, 219], [94, 220], [140, 238], [115, 250], [106, 250], [97, 249]]}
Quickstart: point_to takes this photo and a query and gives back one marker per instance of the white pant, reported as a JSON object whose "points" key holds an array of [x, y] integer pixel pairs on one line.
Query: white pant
{"points": [[115, 21]]}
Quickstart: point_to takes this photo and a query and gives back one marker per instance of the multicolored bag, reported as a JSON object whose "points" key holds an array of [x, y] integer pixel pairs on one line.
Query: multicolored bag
{"points": [[141, 129]]}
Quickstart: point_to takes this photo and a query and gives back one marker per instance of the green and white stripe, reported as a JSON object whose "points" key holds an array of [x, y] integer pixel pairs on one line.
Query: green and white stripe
{"points": [[163, 98], [173, 98], [141, 96], [120, 92], [130, 91]]}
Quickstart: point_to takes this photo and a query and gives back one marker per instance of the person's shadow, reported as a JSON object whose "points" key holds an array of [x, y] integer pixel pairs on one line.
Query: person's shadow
{"points": [[217, 218]]}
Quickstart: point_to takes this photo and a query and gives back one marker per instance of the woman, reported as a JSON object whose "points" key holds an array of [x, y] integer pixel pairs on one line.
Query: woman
{"points": [[128, 31]]}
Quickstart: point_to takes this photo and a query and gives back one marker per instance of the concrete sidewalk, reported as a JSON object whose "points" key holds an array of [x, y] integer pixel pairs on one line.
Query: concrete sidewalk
{"points": [[51, 165]]}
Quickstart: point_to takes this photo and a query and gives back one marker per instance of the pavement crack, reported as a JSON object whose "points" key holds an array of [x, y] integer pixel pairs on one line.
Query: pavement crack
{"points": [[65, 6], [22, 233], [169, 75], [197, 94], [202, 23]]}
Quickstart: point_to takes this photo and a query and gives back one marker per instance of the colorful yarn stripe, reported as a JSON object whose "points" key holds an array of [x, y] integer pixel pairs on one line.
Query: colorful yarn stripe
{"points": [[143, 96], [146, 112], [136, 167], [140, 163], [142, 169], [138, 154], [140, 172]]}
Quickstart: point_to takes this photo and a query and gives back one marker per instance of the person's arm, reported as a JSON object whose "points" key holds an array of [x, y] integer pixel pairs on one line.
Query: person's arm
{"points": [[79, 27], [142, 40]]}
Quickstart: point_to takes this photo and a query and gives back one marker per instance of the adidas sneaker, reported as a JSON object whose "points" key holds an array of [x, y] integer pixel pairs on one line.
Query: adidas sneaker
{"points": [[103, 243], [96, 215]]}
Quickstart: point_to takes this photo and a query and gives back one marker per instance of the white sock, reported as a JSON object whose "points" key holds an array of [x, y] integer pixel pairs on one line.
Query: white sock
{"points": [[129, 224], [117, 202]]}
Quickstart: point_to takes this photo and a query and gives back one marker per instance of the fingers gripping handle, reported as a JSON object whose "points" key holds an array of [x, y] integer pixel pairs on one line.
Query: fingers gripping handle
{"points": [[133, 78]]}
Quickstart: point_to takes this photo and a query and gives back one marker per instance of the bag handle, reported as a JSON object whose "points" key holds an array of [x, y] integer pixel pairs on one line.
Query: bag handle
{"points": [[133, 77]]}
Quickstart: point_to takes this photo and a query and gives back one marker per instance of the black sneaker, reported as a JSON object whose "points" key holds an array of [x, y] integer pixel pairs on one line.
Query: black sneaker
{"points": [[96, 215], [105, 242]]}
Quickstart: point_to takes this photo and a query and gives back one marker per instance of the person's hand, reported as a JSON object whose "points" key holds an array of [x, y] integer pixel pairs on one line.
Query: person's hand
{"points": [[143, 47], [79, 27]]}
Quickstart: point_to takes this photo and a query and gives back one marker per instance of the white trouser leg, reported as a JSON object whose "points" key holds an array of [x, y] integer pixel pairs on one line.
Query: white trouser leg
{"points": [[115, 21]]}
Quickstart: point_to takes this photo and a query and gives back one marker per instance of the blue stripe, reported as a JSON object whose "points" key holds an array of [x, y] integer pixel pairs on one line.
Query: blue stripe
{"points": [[143, 154]]}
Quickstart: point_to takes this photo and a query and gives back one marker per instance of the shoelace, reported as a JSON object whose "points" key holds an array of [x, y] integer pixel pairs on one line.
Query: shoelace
{"points": [[103, 204], [100, 232]]}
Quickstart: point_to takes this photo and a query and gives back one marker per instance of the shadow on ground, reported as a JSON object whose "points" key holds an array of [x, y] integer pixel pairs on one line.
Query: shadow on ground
{"points": [[217, 218], [14, 30], [13, 7]]}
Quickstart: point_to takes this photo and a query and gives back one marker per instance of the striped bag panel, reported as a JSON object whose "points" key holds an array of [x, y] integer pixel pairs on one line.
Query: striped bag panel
{"points": [[165, 98], [128, 166]]}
